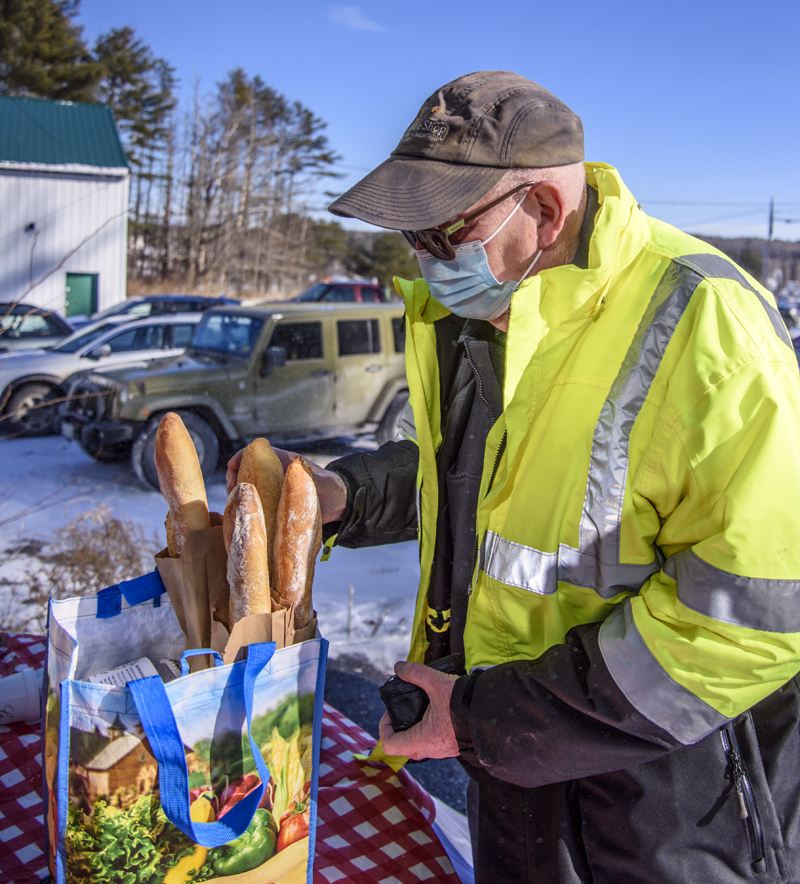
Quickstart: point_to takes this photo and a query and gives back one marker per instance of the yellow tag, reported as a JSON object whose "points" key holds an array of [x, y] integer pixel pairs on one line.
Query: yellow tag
{"points": [[328, 548], [378, 753]]}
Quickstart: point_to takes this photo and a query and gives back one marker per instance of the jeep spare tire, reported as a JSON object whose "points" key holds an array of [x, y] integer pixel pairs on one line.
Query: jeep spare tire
{"points": [[387, 428], [143, 452]]}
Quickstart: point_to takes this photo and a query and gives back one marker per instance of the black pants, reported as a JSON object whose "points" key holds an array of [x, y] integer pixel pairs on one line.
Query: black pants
{"points": [[677, 820]]}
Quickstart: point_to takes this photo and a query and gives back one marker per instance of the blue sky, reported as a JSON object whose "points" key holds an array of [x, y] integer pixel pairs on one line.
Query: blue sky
{"points": [[694, 102]]}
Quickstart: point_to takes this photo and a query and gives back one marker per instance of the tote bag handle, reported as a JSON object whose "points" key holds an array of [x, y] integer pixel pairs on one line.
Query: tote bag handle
{"points": [[158, 720]]}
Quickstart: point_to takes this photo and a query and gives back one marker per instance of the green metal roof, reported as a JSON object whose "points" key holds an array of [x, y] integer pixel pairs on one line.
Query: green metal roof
{"points": [[57, 133]]}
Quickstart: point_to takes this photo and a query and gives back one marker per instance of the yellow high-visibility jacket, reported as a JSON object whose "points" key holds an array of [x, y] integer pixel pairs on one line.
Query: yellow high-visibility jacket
{"points": [[644, 472]]}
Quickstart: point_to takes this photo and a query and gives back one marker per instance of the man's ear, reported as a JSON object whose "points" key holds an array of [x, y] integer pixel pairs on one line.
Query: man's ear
{"points": [[551, 206]]}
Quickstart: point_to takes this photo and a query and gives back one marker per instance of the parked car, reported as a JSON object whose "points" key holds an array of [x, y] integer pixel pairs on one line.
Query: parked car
{"points": [[790, 312], [794, 334], [356, 290], [154, 305], [290, 371], [32, 381], [24, 326]]}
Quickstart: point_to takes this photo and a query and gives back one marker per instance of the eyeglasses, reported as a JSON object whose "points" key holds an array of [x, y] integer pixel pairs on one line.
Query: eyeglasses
{"points": [[437, 239]]}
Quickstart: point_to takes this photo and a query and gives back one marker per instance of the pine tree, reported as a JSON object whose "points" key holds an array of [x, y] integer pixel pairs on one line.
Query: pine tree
{"points": [[140, 89], [42, 52], [384, 255]]}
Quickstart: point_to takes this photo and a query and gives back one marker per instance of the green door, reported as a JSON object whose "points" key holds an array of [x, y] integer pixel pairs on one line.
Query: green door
{"points": [[81, 294]]}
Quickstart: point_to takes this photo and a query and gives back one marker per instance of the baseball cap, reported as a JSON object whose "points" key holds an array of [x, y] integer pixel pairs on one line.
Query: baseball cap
{"points": [[466, 136]]}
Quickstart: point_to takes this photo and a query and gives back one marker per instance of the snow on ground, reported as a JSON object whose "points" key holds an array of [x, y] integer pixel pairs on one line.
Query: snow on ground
{"points": [[47, 481]]}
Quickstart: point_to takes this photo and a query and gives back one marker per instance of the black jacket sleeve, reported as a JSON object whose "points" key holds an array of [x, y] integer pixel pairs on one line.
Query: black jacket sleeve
{"points": [[556, 718], [381, 506]]}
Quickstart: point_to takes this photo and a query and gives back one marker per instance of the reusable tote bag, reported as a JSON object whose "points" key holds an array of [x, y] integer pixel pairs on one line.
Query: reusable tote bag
{"points": [[212, 776]]}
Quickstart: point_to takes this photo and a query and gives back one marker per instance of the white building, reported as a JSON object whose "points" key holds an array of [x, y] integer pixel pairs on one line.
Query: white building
{"points": [[63, 205]]}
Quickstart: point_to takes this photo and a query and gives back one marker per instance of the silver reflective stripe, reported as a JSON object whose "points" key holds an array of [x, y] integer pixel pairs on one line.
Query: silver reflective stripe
{"points": [[607, 579], [517, 565], [608, 468], [596, 563], [406, 428], [527, 568], [751, 602], [648, 686], [717, 267]]}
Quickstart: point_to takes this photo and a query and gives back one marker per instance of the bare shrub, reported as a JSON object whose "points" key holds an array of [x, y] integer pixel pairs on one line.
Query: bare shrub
{"points": [[93, 550]]}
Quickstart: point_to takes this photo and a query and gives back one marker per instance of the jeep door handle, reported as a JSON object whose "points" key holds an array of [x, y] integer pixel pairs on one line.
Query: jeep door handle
{"points": [[319, 373], [374, 368]]}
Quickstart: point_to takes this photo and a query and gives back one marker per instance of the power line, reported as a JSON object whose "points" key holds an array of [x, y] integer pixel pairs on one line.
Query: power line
{"points": [[714, 205]]}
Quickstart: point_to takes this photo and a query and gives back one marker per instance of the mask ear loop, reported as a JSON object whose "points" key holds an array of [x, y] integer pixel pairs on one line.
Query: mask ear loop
{"points": [[536, 256], [532, 264], [510, 216]]}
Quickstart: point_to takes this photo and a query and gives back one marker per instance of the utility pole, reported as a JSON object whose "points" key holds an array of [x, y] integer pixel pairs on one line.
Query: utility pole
{"points": [[765, 260]]}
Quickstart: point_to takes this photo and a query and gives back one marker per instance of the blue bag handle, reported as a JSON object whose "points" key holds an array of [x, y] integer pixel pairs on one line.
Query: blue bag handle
{"points": [[218, 661], [149, 587], [155, 711]]}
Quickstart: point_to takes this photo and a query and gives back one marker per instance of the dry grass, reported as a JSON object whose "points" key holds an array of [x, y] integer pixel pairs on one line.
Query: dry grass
{"points": [[93, 550], [178, 285]]}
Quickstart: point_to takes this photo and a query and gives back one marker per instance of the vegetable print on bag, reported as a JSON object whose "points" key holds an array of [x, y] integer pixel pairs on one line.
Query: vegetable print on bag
{"points": [[110, 811]]}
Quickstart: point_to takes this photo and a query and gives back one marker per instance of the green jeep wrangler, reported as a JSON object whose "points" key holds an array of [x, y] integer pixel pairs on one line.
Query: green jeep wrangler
{"points": [[286, 370]]}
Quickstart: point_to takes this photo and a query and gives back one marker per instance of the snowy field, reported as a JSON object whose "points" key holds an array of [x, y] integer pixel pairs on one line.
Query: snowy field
{"points": [[47, 481]]}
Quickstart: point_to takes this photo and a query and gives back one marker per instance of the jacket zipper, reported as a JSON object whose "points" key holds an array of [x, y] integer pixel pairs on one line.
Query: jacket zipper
{"points": [[480, 383], [748, 811], [497, 458]]}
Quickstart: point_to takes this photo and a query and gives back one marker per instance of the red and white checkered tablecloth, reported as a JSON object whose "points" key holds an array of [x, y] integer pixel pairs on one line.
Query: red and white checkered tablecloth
{"points": [[374, 826]]}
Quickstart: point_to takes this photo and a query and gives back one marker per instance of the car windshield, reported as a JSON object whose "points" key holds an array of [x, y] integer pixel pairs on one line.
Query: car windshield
{"points": [[225, 333], [314, 293], [74, 342]]}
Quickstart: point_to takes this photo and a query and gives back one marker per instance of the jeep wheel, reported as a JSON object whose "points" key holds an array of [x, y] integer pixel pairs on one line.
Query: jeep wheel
{"points": [[143, 453], [387, 428], [30, 411]]}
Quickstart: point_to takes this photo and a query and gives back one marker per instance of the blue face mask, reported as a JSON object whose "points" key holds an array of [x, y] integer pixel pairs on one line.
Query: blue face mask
{"points": [[466, 285]]}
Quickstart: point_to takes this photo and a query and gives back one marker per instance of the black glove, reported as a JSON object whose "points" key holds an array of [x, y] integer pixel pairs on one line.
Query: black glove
{"points": [[405, 702]]}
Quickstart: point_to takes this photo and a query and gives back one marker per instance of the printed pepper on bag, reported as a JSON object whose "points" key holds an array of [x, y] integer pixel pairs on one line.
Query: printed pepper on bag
{"points": [[249, 851]]}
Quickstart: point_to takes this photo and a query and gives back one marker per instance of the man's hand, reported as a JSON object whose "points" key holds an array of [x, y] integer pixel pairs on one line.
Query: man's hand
{"points": [[433, 737], [331, 489]]}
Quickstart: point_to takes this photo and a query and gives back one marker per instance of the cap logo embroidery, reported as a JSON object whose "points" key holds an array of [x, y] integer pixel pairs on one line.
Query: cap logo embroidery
{"points": [[427, 129]]}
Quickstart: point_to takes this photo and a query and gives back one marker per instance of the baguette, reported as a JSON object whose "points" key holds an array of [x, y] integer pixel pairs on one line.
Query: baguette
{"points": [[298, 538], [248, 561], [261, 467], [172, 545], [181, 481]]}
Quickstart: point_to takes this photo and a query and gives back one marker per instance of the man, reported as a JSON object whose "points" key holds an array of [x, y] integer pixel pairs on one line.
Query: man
{"points": [[603, 438]]}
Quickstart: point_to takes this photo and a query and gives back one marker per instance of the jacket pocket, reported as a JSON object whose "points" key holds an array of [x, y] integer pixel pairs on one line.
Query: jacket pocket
{"points": [[748, 809]]}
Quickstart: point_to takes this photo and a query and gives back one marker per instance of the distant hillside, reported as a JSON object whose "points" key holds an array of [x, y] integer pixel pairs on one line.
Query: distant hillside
{"points": [[783, 257]]}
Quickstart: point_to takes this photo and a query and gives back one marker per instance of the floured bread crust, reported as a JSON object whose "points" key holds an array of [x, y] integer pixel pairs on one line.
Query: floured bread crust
{"points": [[298, 538], [260, 466], [248, 561], [181, 481]]}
